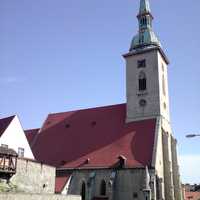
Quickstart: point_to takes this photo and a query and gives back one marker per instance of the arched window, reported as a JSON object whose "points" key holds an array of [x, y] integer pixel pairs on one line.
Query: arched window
{"points": [[103, 188], [141, 39], [142, 81], [148, 21], [142, 21], [163, 84], [83, 191], [145, 21]]}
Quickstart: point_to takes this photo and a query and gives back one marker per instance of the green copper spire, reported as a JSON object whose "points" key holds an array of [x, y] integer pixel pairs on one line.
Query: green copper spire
{"points": [[144, 7], [145, 37]]}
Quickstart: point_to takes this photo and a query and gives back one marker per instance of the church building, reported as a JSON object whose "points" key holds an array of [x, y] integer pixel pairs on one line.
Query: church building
{"points": [[118, 152]]}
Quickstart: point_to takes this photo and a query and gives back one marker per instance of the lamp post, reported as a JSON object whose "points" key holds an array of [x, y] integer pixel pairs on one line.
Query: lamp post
{"points": [[192, 135]]}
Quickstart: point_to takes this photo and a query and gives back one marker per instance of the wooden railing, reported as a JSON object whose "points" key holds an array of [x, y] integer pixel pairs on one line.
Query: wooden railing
{"points": [[8, 164]]}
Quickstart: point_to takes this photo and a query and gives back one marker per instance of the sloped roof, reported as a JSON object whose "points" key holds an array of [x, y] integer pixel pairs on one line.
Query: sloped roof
{"points": [[60, 183], [30, 135], [192, 195], [7, 151], [4, 123], [97, 134]]}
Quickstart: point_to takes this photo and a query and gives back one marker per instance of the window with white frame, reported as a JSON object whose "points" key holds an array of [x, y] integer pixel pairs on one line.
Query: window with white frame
{"points": [[21, 152]]}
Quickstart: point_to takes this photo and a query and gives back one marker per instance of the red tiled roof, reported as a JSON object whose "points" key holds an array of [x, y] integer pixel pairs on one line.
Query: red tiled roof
{"points": [[192, 195], [60, 183], [4, 123], [100, 134], [30, 135]]}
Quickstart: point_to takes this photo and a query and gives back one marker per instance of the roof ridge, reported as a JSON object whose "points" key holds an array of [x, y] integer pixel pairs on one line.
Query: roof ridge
{"points": [[90, 108], [6, 118], [32, 129], [4, 123]]}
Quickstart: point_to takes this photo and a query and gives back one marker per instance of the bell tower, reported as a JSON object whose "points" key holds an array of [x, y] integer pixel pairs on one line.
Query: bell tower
{"points": [[146, 72]]}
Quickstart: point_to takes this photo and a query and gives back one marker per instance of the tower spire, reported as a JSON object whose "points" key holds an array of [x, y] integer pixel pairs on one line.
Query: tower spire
{"points": [[144, 6], [145, 37]]}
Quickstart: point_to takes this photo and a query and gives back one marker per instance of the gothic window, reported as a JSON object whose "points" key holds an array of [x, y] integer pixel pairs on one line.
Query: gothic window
{"points": [[103, 188], [163, 68], [83, 191], [141, 22], [148, 21], [157, 188], [165, 106], [145, 21], [142, 81], [142, 38], [163, 84]]}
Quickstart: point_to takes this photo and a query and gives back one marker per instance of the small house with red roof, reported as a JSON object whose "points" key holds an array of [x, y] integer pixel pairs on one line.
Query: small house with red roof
{"points": [[124, 151], [192, 195], [12, 136]]}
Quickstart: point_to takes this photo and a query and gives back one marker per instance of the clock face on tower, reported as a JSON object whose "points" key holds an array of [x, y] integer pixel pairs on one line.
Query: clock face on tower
{"points": [[142, 102]]}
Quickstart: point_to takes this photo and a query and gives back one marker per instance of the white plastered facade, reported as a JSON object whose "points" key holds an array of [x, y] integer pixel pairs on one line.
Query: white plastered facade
{"points": [[15, 138]]}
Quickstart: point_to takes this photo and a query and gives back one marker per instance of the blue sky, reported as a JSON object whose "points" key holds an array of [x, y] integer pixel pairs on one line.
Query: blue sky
{"points": [[58, 55]]}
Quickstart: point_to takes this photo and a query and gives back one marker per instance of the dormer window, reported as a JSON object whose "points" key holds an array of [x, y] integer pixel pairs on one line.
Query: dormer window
{"points": [[142, 82]]}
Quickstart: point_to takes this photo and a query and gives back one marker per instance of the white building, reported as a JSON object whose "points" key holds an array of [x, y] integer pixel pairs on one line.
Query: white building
{"points": [[12, 136]]}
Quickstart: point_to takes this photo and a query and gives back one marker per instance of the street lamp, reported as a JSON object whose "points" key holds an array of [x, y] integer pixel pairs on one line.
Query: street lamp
{"points": [[192, 135]]}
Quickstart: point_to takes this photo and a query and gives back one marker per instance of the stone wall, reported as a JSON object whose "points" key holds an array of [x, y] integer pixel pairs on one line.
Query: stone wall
{"points": [[176, 175], [120, 183], [168, 171], [33, 177], [157, 103], [17, 196]]}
